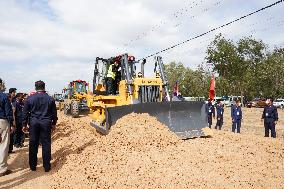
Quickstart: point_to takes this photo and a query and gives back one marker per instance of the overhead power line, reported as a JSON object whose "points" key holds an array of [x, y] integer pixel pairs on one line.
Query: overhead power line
{"points": [[176, 15], [214, 29]]}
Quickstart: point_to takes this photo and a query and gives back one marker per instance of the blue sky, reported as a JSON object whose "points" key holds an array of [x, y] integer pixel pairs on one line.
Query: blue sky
{"points": [[58, 40]]}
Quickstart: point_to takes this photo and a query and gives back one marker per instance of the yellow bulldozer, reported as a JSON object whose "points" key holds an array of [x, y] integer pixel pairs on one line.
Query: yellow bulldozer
{"points": [[140, 94], [75, 98]]}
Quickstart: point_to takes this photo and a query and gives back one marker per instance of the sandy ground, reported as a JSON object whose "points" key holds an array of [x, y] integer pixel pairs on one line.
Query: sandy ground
{"points": [[141, 153]]}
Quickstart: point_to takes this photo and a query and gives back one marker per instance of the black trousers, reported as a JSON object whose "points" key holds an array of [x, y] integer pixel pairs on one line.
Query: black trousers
{"points": [[219, 123], [19, 134], [270, 126], [209, 119], [40, 131], [237, 125], [12, 140], [110, 88]]}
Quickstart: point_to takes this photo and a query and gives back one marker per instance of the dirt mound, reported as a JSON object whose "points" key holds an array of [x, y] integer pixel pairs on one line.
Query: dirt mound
{"points": [[140, 152], [140, 132]]}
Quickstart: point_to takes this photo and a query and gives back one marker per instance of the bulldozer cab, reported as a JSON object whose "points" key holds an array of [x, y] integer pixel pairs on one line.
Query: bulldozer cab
{"points": [[101, 68], [77, 87], [58, 97]]}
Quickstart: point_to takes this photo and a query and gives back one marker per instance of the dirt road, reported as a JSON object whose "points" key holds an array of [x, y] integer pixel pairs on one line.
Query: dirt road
{"points": [[141, 153]]}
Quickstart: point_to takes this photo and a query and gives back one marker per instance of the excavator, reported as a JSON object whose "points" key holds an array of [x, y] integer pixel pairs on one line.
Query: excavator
{"points": [[75, 102], [140, 94]]}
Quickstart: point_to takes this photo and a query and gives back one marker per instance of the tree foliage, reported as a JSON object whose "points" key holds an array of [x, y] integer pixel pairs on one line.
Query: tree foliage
{"points": [[191, 82], [246, 67]]}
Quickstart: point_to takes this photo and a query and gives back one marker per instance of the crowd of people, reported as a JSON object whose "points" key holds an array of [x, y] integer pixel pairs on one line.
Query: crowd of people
{"points": [[20, 113], [269, 116], [36, 114]]}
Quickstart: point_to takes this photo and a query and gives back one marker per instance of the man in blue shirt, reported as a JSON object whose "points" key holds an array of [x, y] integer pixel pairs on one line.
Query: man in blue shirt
{"points": [[41, 114], [210, 110], [220, 114], [19, 134], [12, 97], [237, 116], [270, 117], [6, 121]]}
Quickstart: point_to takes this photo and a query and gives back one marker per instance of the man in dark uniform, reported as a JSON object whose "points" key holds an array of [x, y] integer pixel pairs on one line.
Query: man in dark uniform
{"points": [[19, 134], [270, 117], [12, 97], [220, 114], [237, 116], [6, 123], [40, 113], [210, 110]]}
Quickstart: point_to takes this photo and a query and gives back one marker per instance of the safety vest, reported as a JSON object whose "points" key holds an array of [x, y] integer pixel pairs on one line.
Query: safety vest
{"points": [[110, 73]]}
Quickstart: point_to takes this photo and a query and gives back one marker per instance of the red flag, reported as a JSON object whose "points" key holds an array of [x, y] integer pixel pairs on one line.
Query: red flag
{"points": [[212, 88]]}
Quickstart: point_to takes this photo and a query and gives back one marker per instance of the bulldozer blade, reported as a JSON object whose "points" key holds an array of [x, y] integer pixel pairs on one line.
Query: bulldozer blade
{"points": [[103, 129], [186, 119]]}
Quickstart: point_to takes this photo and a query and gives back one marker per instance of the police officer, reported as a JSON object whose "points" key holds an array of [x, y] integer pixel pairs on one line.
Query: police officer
{"points": [[270, 117], [210, 111], [237, 116], [6, 121], [19, 134], [40, 113], [12, 97], [220, 114], [111, 78]]}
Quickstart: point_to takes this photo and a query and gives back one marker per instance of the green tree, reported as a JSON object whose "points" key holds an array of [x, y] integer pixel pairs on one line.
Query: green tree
{"points": [[191, 82]]}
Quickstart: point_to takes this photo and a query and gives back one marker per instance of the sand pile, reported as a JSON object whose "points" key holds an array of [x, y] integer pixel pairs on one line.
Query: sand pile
{"points": [[140, 152], [117, 155], [140, 132]]}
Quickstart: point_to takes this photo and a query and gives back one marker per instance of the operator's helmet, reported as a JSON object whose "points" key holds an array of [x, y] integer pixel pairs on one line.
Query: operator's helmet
{"points": [[157, 75], [139, 75]]}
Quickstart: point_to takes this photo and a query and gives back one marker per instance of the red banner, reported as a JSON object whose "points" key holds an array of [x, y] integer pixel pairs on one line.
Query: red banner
{"points": [[212, 88]]}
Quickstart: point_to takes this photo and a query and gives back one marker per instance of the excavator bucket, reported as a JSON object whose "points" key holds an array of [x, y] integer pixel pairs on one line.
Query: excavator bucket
{"points": [[186, 119]]}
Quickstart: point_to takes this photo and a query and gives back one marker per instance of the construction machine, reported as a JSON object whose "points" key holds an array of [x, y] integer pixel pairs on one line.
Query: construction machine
{"points": [[75, 102], [140, 94], [58, 100]]}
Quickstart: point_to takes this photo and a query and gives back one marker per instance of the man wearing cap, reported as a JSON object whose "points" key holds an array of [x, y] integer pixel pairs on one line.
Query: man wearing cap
{"points": [[237, 116], [40, 113], [6, 121], [19, 134], [12, 97], [270, 118], [210, 110], [220, 114]]}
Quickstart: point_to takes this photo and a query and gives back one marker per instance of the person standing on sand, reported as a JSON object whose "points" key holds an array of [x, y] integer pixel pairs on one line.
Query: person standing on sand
{"points": [[12, 97], [210, 110], [19, 134], [6, 121], [220, 115], [270, 118], [237, 116], [40, 112]]}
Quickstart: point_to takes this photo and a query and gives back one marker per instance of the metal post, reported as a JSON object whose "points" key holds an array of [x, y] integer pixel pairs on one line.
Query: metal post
{"points": [[128, 78], [96, 72], [142, 67], [159, 62]]}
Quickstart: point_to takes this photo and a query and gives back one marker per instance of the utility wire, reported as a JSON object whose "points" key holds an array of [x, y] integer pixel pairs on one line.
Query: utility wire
{"points": [[210, 31], [175, 15]]}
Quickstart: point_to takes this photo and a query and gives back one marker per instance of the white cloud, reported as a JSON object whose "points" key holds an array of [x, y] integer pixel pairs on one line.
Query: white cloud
{"points": [[59, 40]]}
